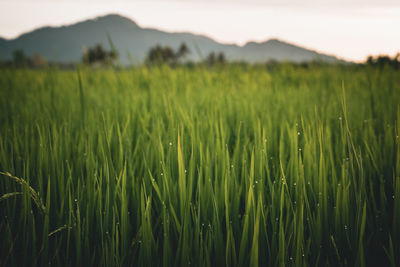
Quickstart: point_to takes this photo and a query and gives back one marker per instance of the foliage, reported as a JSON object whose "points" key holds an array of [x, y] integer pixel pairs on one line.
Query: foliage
{"points": [[166, 55], [234, 166], [183, 51], [38, 61], [97, 54], [215, 59], [19, 58], [384, 60]]}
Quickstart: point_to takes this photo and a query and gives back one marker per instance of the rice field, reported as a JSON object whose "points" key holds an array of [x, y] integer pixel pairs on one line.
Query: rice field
{"points": [[224, 166]]}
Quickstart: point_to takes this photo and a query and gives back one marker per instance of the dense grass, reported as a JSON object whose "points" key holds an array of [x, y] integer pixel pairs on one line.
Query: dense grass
{"points": [[204, 167]]}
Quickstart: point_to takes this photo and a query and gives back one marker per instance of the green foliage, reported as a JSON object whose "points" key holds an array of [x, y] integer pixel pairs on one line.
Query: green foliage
{"points": [[234, 166]]}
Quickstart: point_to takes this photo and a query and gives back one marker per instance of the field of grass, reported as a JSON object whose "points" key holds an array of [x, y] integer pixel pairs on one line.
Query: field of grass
{"points": [[233, 166]]}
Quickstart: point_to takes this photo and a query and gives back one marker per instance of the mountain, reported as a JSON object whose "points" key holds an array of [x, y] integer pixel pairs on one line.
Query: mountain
{"points": [[66, 43], [279, 50]]}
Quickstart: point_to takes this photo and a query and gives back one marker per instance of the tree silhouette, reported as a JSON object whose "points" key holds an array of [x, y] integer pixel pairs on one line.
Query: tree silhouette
{"points": [[19, 58], [221, 58], [98, 54], [159, 55], [215, 59], [383, 60], [211, 58], [166, 55], [182, 51]]}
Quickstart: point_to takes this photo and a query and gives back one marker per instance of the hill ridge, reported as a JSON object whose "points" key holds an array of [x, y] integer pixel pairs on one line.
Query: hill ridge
{"points": [[65, 43]]}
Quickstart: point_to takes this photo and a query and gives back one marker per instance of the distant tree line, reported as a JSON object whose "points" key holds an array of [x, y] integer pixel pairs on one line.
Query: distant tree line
{"points": [[98, 55], [166, 55], [20, 60], [215, 59], [158, 55], [381, 61]]}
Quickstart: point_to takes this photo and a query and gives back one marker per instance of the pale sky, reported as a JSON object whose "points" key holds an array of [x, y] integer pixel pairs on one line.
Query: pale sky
{"points": [[348, 29]]}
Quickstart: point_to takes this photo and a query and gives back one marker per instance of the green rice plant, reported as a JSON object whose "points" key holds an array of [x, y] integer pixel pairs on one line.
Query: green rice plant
{"points": [[227, 166]]}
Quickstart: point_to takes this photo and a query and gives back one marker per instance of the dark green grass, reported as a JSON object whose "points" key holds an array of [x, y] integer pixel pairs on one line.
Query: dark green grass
{"points": [[201, 167]]}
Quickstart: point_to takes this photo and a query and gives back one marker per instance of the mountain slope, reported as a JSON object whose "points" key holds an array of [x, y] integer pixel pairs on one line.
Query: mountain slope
{"points": [[66, 43], [278, 50]]}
